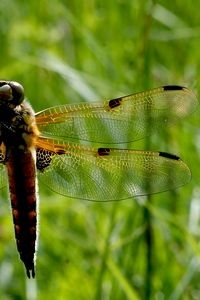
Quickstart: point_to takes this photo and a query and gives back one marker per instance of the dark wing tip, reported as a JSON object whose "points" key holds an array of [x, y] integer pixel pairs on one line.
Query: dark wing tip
{"points": [[103, 151], [169, 155], [172, 87]]}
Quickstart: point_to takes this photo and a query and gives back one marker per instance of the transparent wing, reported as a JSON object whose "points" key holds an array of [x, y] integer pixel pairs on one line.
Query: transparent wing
{"points": [[103, 174], [119, 120]]}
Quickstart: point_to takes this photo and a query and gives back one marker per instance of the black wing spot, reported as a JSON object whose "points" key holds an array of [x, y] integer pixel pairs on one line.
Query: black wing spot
{"points": [[43, 158], [169, 155], [103, 151], [2, 158], [115, 102], [173, 88]]}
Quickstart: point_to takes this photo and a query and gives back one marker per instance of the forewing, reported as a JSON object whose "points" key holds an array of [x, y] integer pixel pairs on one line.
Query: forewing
{"points": [[119, 120], [105, 174]]}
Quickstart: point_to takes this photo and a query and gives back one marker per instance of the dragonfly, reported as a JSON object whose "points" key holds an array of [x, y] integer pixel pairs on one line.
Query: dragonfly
{"points": [[77, 150]]}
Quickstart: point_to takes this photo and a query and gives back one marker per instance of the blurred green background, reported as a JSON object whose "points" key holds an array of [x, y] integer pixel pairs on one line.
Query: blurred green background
{"points": [[75, 51]]}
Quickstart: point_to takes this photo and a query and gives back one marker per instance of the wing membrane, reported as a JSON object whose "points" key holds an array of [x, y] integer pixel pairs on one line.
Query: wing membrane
{"points": [[105, 174], [118, 120]]}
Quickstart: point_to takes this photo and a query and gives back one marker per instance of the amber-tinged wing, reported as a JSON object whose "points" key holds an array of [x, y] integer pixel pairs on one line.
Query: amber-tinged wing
{"points": [[103, 174], [119, 120]]}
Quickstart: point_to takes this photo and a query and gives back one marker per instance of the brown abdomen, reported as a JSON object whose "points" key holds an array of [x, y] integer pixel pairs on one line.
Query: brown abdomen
{"points": [[21, 170]]}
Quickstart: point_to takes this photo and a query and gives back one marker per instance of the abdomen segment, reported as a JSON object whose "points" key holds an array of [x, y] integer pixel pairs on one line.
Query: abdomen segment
{"points": [[22, 185]]}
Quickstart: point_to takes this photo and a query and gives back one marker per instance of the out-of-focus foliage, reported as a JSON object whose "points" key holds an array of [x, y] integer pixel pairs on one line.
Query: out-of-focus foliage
{"points": [[75, 51]]}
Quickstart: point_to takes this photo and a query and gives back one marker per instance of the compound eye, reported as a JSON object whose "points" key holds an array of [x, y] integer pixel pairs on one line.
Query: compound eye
{"points": [[17, 92], [11, 92]]}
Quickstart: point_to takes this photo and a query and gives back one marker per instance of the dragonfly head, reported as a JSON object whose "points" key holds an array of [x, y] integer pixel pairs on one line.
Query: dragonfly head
{"points": [[11, 92]]}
